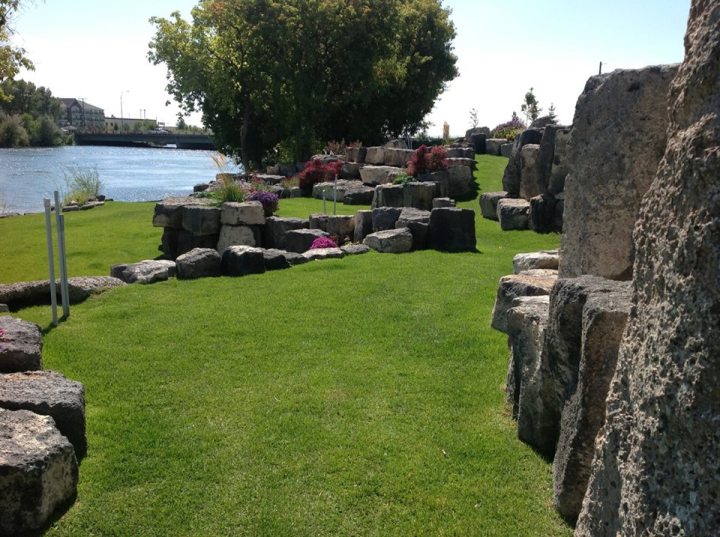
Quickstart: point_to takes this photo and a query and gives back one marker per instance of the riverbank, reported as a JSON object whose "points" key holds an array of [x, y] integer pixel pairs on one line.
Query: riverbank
{"points": [[128, 174]]}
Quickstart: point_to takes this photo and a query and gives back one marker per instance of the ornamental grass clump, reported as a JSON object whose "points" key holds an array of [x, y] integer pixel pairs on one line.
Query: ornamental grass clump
{"points": [[270, 201], [227, 189], [83, 185], [316, 171], [323, 242], [426, 160]]}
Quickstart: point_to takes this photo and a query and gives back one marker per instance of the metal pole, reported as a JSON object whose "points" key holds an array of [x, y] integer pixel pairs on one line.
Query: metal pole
{"points": [[62, 262], [324, 204], [51, 261], [335, 196], [600, 69]]}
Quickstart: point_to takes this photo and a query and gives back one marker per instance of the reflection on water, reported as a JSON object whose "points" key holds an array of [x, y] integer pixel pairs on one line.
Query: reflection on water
{"points": [[127, 173]]}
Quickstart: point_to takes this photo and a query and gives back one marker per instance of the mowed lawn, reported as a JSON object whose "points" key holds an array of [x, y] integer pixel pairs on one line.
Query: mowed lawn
{"points": [[361, 396]]}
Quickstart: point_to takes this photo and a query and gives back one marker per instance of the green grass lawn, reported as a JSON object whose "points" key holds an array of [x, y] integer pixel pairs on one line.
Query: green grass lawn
{"points": [[361, 396]]}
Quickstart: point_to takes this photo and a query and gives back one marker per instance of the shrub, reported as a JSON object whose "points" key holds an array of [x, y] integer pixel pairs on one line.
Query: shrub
{"points": [[83, 184], [427, 161], [323, 242], [402, 179], [510, 129], [315, 171], [12, 132], [269, 200]]}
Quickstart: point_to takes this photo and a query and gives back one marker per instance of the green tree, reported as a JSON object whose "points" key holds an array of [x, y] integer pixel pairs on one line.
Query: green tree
{"points": [[12, 59], [552, 114], [531, 106], [294, 72], [181, 125], [12, 132]]}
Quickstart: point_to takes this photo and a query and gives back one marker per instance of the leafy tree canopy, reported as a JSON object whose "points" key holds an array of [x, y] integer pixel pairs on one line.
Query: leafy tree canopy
{"points": [[294, 72], [11, 58], [531, 107]]}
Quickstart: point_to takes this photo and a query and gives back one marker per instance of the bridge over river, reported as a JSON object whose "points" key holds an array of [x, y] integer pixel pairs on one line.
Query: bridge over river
{"points": [[181, 141]]}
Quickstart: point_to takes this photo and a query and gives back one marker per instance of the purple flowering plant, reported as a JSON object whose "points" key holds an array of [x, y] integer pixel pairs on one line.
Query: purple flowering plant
{"points": [[268, 199], [323, 242]]}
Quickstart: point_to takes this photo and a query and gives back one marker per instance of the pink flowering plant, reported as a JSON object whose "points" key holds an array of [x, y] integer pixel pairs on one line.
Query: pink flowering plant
{"points": [[427, 160], [323, 242]]}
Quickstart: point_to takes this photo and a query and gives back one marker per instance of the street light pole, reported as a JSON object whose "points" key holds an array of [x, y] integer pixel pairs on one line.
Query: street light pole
{"points": [[122, 121]]}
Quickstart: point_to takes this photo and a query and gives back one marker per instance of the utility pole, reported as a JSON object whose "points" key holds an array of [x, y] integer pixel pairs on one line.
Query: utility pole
{"points": [[600, 70]]}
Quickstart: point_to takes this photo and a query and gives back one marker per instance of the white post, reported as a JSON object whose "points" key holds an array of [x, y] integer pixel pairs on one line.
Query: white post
{"points": [[324, 204], [51, 261]]}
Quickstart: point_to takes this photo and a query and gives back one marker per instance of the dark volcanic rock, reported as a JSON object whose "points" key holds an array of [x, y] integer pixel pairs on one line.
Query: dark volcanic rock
{"points": [[452, 230]]}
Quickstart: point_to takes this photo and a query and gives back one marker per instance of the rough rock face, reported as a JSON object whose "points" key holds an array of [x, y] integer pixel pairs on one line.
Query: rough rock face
{"points": [[243, 260], [529, 283], [452, 230], [377, 175], [513, 213], [280, 259], [39, 471], [323, 253], [388, 196], [561, 354], [657, 461], [355, 249], [147, 271], [22, 294], [246, 213], [391, 241], [530, 177], [384, 218], [300, 240], [234, 236], [603, 321], [20, 345], [559, 168], [363, 225], [50, 394], [201, 220], [418, 195], [616, 143], [341, 226], [526, 322], [488, 204], [544, 259], [417, 222], [513, 171], [198, 263], [546, 156], [276, 228]]}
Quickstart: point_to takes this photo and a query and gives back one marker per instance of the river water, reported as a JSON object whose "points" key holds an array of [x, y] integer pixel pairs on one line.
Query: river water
{"points": [[127, 173]]}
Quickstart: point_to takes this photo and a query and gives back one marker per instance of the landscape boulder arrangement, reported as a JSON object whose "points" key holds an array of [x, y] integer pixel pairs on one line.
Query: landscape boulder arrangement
{"points": [[42, 419], [613, 372], [238, 238]]}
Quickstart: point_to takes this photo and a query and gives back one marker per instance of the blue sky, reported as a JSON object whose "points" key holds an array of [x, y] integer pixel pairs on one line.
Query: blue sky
{"points": [[97, 49]]}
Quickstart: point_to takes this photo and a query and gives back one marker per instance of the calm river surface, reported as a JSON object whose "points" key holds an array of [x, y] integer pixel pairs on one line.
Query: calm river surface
{"points": [[127, 173]]}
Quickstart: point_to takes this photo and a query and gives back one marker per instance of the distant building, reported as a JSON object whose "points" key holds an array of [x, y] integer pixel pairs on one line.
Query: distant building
{"points": [[132, 124], [81, 115]]}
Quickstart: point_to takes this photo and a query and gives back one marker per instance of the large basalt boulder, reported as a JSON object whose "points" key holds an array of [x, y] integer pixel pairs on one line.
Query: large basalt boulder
{"points": [[145, 272], [441, 180], [390, 241], [378, 175], [537, 282], [355, 154], [512, 176], [488, 204], [561, 354], [168, 213], [460, 181], [530, 178], [546, 155], [243, 260], [544, 259], [363, 225], [375, 155], [341, 226], [418, 222], [477, 140], [452, 230], [398, 157], [235, 236], [201, 220], [657, 461], [276, 228], [559, 169], [319, 221], [39, 471], [323, 253], [20, 345], [440, 203], [246, 213], [542, 217], [186, 241], [350, 170], [492, 145], [513, 213], [300, 240], [281, 259], [384, 218], [461, 152], [388, 196], [362, 195], [355, 249], [526, 322], [419, 195], [24, 294], [199, 263], [617, 141], [50, 394], [603, 321]]}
